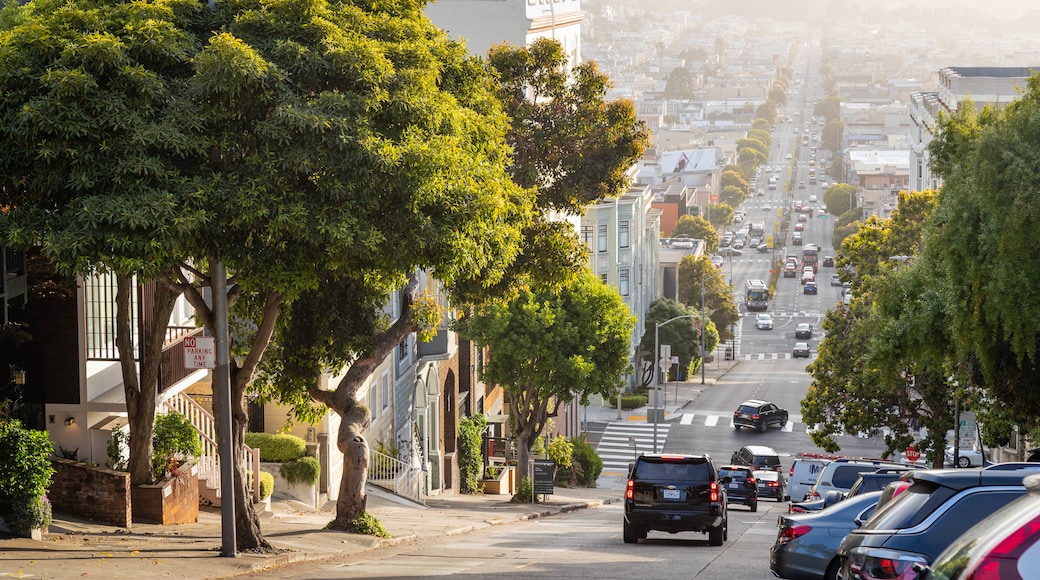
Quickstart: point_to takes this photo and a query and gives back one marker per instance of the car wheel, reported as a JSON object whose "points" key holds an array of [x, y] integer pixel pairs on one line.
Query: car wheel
{"points": [[630, 534], [737, 427], [754, 507], [716, 535], [762, 427], [963, 461], [832, 570]]}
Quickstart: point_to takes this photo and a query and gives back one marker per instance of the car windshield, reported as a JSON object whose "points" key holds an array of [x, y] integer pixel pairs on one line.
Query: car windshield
{"points": [[747, 410], [767, 475]]}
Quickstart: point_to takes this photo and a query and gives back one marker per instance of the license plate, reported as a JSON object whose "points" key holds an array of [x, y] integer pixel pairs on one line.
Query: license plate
{"points": [[734, 485], [671, 494]]}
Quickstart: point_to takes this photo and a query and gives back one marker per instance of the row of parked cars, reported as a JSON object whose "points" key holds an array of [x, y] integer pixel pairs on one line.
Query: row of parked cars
{"points": [[900, 522]]}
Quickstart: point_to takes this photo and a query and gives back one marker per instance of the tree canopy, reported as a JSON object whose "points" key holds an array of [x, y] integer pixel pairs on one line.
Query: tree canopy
{"points": [[718, 295], [682, 335], [680, 84], [695, 226]]}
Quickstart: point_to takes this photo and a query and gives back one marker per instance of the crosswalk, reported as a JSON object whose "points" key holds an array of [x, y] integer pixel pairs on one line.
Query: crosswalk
{"points": [[622, 442], [771, 356]]}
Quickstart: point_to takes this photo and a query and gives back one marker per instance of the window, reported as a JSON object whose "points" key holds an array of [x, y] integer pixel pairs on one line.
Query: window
{"points": [[603, 237], [623, 234], [586, 235], [623, 282], [372, 404], [385, 383], [603, 278]]}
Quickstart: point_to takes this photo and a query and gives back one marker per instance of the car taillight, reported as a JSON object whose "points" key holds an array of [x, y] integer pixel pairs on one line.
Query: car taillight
{"points": [[773, 484], [751, 480], [815, 495], [1002, 561], [714, 496], [882, 564], [792, 533], [630, 490], [790, 473], [756, 416]]}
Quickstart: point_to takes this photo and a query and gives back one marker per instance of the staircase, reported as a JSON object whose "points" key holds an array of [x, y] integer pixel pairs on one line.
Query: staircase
{"points": [[396, 476], [209, 461]]}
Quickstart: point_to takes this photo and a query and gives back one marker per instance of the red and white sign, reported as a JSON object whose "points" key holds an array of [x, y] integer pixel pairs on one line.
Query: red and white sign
{"points": [[200, 352], [912, 454]]}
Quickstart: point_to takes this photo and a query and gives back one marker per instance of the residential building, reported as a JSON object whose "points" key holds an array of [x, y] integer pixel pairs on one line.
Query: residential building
{"points": [[483, 23]]}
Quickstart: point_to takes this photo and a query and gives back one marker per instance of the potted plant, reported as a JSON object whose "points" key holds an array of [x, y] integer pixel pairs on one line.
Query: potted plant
{"points": [[174, 498]]}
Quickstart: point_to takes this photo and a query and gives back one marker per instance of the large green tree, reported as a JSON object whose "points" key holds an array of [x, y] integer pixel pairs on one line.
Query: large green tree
{"points": [[695, 226], [552, 348], [679, 84], [984, 247], [682, 335], [293, 143], [718, 295]]}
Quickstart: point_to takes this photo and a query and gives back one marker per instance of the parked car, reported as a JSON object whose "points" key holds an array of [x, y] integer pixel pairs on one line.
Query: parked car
{"points": [[757, 457], [867, 482], [741, 486], [771, 484], [764, 322], [675, 493], [806, 544], [759, 415], [805, 470], [841, 474], [809, 288], [800, 350], [1005, 545], [965, 457], [803, 330], [939, 506]]}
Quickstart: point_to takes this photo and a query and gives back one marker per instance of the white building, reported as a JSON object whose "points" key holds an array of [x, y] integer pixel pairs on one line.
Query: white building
{"points": [[486, 23]]}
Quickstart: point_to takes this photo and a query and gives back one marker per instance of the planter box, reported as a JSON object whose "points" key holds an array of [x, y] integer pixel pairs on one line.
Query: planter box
{"points": [[505, 484], [301, 492], [174, 500], [33, 534]]}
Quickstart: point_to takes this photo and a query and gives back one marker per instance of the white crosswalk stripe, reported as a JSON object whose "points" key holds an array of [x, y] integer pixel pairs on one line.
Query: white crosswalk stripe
{"points": [[720, 419], [772, 356], [615, 447]]}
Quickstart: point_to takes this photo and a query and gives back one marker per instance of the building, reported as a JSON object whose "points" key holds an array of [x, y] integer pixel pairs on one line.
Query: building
{"points": [[483, 23]]}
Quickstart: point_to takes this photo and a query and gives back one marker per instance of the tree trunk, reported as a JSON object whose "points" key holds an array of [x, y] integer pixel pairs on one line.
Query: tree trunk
{"points": [[352, 443], [248, 537], [141, 392]]}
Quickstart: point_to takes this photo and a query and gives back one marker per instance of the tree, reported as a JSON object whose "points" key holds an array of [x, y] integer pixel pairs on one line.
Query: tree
{"points": [[982, 240], [718, 296], [829, 108], [720, 215], [762, 136], [831, 135], [695, 226], [839, 198], [760, 146], [731, 176], [682, 335], [339, 324], [778, 95], [553, 348], [732, 195], [761, 124], [679, 85], [243, 138], [767, 111]]}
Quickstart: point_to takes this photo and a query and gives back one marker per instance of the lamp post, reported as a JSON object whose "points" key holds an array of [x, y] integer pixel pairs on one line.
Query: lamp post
{"points": [[657, 367]]}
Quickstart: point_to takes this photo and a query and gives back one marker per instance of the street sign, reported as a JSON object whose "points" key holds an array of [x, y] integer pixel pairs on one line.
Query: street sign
{"points": [[200, 352], [544, 473], [912, 454]]}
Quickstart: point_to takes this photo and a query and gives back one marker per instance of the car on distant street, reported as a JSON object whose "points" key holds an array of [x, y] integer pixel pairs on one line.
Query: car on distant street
{"points": [[806, 544], [801, 350], [796, 238], [803, 218], [761, 192], [771, 484], [803, 330], [767, 207], [808, 276], [788, 156], [762, 248], [791, 270], [809, 288], [759, 415], [764, 322], [828, 261], [835, 280], [801, 185], [966, 457], [758, 457], [741, 486], [727, 252], [718, 261]]}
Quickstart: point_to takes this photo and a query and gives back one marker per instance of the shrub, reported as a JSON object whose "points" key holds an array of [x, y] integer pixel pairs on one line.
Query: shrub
{"points": [[629, 402], [266, 485], [524, 491], [29, 514], [560, 450], [304, 470], [587, 465], [471, 462], [173, 440], [25, 468], [366, 524], [276, 448], [117, 443]]}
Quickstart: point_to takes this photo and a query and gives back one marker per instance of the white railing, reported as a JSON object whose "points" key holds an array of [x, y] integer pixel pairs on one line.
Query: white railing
{"points": [[209, 461], [396, 476]]}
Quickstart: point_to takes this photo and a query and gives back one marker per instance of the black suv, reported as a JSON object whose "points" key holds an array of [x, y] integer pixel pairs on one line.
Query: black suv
{"points": [[939, 506], [759, 415], [740, 484], [675, 493], [757, 457]]}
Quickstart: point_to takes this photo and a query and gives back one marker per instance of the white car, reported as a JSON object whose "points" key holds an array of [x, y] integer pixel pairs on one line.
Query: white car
{"points": [[965, 457], [764, 322]]}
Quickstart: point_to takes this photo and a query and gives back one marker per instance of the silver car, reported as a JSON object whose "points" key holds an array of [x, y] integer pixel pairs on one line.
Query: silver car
{"points": [[806, 544]]}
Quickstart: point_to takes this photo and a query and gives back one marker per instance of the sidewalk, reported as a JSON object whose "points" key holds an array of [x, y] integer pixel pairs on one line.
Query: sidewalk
{"points": [[79, 548]]}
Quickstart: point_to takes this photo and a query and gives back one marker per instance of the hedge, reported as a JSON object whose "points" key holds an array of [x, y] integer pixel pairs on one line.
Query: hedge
{"points": [[276, 448]]}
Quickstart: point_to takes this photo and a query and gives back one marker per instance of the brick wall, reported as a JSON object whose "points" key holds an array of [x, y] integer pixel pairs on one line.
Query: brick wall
{"points": [[92, 493], [171, 501]]}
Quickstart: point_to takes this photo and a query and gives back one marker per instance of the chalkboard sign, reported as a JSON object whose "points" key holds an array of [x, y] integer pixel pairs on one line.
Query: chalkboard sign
{"points": [[544, 473]]}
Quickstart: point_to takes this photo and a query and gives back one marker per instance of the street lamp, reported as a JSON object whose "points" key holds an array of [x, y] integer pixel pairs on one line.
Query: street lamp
{"points": [[660, 363]]}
